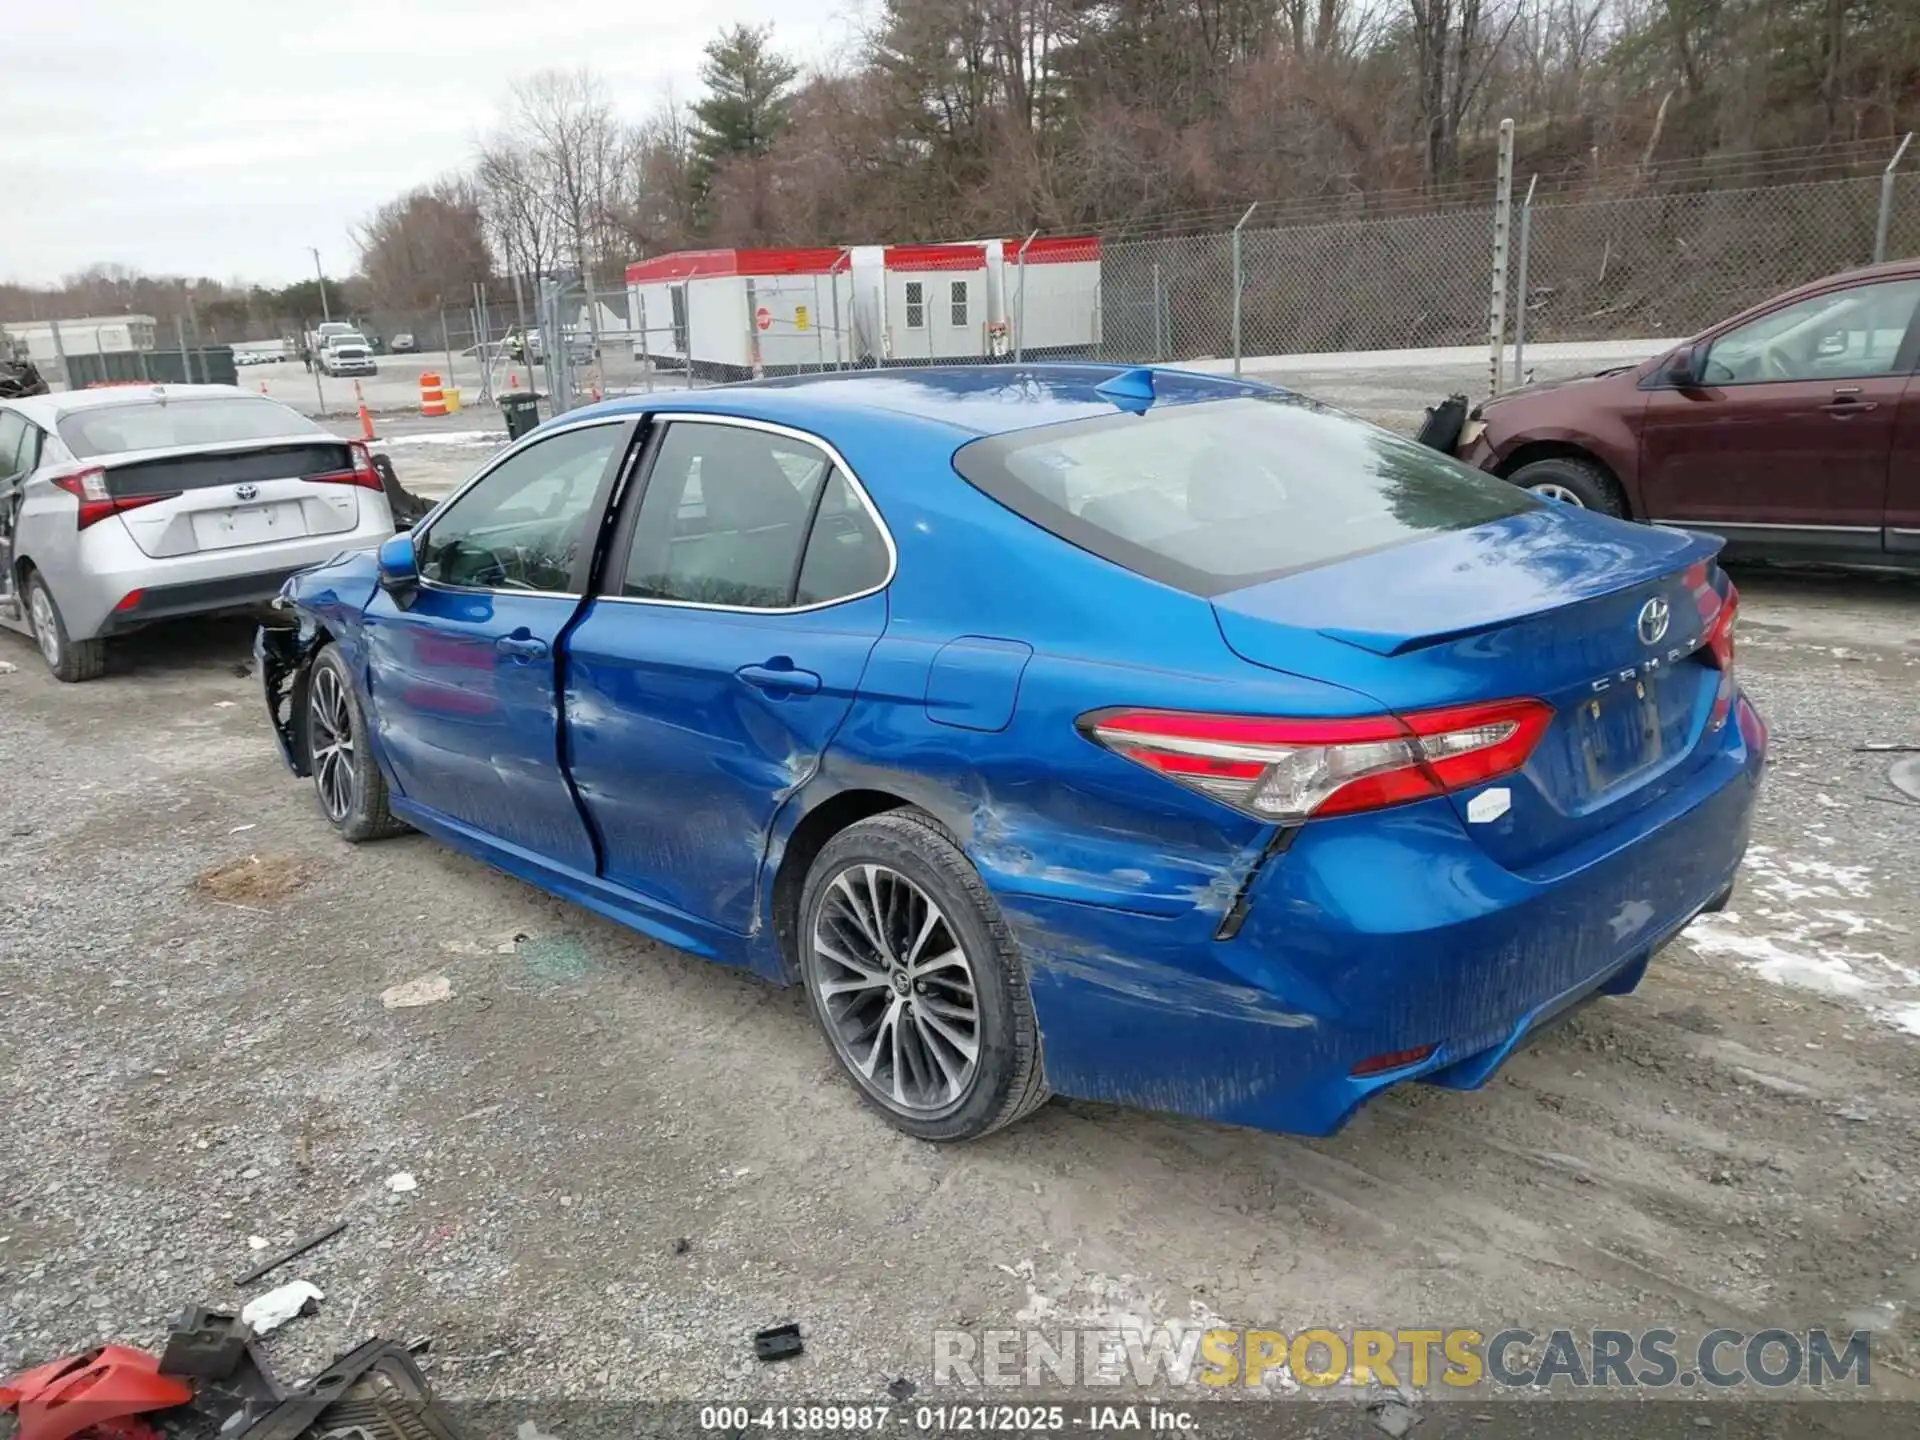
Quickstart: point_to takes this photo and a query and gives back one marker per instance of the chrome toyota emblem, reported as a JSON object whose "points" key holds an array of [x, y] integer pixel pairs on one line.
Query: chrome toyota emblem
{"points": [[247, 492], [1655, 615]]}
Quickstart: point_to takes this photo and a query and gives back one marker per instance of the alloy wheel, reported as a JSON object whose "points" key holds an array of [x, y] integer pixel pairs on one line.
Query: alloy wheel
{"points": [[1559, 492], [897, 989], [46, 629], [330, 743]]}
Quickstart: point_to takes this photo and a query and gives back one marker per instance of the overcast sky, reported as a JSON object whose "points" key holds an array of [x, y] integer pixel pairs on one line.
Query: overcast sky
{"points": [[223, 137]]}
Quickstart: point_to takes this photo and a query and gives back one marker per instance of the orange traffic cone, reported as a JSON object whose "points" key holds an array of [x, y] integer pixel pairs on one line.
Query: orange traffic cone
{"points": [[366, 420], [513, 379]]}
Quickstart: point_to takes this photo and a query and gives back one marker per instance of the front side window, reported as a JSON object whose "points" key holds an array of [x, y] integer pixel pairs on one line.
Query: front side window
{"points": [[1214, 496], [749, 519], [523, 525], [1845, 334], [916, 305], [958, 295]]}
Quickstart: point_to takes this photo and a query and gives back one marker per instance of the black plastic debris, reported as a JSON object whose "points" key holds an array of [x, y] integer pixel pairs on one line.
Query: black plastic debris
{"points": [[293, 1252], [682, 1245], [778, 1342], [205, 1344], [901, 1389], [373, 1393], [1444, 422]]}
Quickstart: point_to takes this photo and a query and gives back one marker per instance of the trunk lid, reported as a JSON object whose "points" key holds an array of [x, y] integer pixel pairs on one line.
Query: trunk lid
{"points": [[1548, 603], [231, 496]]}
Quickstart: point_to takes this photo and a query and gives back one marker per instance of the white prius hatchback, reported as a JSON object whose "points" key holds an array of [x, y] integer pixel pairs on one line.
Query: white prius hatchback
{"points": [[126, 505]]}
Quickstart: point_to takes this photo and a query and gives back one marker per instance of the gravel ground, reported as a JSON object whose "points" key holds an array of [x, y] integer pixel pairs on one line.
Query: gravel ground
{"points": [[197, 1053]]}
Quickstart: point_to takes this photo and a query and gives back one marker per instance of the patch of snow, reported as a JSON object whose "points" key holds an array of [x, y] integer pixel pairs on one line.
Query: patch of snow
{"points": [[445, 437], [1786, 944]]}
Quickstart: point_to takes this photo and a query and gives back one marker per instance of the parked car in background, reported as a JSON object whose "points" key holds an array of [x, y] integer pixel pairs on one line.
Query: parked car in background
{"points": [[402, 344], [127, 505], [1792, 429], [348, 355], [1281, 761]]}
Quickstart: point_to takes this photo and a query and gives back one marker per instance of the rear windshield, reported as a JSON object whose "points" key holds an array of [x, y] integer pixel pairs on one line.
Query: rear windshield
{"points": [[154, 425], [1218, 495]]}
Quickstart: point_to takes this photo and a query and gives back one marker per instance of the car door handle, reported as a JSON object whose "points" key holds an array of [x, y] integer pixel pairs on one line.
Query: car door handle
{"points": [[1844, 405], [780, 679], [522, 646]]}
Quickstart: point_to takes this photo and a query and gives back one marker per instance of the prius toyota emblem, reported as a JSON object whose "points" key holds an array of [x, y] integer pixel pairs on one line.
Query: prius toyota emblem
{"points": [[247, 492], [1652, 624]]}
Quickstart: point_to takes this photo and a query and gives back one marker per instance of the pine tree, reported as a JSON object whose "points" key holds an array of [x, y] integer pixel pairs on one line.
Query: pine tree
{"points": [[748, 103]]}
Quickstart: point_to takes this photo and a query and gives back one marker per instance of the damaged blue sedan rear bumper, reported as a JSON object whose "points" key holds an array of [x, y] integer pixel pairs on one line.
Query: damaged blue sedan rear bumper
{"points": [[1391, 945]]}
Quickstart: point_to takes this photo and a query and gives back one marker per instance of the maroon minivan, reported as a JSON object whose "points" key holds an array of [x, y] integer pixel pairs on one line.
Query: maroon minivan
{"points": [[1792, 429]]}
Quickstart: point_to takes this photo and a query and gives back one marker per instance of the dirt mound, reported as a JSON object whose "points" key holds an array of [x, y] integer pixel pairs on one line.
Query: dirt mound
{"points": [[255, 878]]}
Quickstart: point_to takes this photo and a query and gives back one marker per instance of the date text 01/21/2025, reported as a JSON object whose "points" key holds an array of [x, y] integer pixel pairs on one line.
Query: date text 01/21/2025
{"points": [[945, 1419]]}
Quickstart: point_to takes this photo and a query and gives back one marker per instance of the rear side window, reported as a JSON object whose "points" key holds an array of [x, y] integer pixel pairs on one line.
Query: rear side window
{"points": [[1215, 496], [162, 425], [750, 519]]}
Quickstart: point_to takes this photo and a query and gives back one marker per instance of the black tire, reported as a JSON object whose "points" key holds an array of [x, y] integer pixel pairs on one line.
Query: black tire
{"points": [[1008, 1079], [69, 660], [1579, 481], [356, 808]]}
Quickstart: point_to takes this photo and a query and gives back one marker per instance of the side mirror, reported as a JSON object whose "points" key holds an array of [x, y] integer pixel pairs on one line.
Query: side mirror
{"points": [[1688, 368], [399, 568]]}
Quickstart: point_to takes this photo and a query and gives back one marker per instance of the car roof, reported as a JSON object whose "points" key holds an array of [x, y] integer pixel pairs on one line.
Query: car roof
{"points": [[971, 400], [47, 410]]}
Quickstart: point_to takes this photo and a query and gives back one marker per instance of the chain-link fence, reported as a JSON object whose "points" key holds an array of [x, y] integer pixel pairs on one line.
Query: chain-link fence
{"points": [[1659, 265], [1645, 264]]}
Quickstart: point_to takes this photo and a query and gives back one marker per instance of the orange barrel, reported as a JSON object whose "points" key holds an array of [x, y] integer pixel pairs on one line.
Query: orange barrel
{"points": [[433, 400]]}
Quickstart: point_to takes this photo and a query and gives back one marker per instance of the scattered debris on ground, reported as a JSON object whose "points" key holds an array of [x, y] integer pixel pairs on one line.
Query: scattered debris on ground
{"points": [[292, 1252], [267, 1313], [778, 1342]]}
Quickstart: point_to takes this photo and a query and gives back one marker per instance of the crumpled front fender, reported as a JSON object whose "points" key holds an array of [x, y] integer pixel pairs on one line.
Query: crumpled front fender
{"points": [[283, 654]]}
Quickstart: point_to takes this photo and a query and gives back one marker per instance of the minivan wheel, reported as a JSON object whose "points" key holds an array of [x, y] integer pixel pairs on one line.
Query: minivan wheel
{"points": [[70, 660], [346, 778], [917, 981], [1573, 482]]}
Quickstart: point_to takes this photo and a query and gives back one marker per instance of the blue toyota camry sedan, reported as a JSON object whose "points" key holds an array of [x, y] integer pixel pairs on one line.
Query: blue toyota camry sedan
{"points": [[1128, 734]]}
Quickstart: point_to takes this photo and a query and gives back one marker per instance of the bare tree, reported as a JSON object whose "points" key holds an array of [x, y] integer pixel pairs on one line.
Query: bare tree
{"points": [[428, 244], [517, 209], [578, 152]]}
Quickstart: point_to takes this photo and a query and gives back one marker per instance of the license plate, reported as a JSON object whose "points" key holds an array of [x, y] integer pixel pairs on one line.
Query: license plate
{"points": [[247, 525], [1620, 734]]}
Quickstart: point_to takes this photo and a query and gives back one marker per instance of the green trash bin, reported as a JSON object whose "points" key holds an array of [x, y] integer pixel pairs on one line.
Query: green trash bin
{"points": [[522, 411]]}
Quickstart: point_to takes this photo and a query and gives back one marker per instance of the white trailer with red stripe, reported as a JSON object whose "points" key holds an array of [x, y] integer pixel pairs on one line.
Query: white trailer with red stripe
{"points": [[733, 313], [937, 303], [1050, 294]]}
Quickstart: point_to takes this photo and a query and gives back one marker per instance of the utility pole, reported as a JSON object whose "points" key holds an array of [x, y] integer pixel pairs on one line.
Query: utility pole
{"points": [[326, 312]]}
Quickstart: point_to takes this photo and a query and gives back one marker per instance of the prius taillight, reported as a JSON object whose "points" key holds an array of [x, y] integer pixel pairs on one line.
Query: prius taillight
{"points": [[360, 473], [1288, 769], [89, 487]]}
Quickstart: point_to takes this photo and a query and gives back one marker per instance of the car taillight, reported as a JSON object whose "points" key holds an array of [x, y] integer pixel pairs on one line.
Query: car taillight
{"points": [[1719, 642], [89, 487], [362, 473], [1289, 769], [1717, 651]]}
